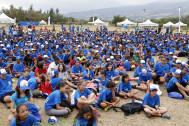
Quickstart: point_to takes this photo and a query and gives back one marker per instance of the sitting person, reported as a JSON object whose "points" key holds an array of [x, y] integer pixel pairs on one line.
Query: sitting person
{"points": [[86, 117], [178, 84], [77, 71], [125, 89], [103, 80], [25, 76], [18, 67], [107, 97], [111, 74], [88, 73], [41, 70], [138, 70], [151, 104]]}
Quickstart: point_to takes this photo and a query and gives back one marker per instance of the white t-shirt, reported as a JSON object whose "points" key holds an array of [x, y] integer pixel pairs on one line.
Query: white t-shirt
{"points": [[52, 65]]}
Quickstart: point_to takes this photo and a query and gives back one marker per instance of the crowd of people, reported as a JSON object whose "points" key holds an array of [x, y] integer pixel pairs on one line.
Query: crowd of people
{"points": [[93, 66]]}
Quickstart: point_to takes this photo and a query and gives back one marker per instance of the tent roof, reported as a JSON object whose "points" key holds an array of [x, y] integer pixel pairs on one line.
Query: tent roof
{"points": [[181, 24], [98, 22], [126, 22], [168, 24], [5, 19], [148, 23]]}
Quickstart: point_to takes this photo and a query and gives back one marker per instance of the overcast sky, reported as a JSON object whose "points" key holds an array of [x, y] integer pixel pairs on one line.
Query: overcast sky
{"points": [[66, 6]]}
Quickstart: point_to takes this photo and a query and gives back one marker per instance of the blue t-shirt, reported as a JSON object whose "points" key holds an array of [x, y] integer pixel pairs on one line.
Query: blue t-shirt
{"points": [[3, 64], [18, 68], [161, 70], [22, 78], [19, 100], [5, 85], [124, 87], [105, 95], [104, 83], [32, 83], [30, 121], [151, 101], [54, 98], [111, 74], [91, 75], [78, 94], [83, 122], [144, 78], [78, 69], [54, 82], [137, 71], [172, 82], [127, 65]]}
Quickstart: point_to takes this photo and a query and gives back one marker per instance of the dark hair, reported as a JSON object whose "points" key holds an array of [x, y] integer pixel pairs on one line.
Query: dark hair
{"points": [[108, 64], [43, 78], [64, 68], [27, 70], [59, 85], [40, 64], [17, 111], [88, 64], [56, 58], [27, 92], [124, 76], [85, 109], [80, 83], [103, 72], [110, 84]]}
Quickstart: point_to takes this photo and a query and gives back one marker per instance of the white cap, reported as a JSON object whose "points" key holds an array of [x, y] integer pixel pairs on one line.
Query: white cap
{"points": [[16, 45], [175, 57], [170, 53], [108, 59], [64, 39], [153, 87], [96, 51], [142, 62], [178, 61], [46, 42], [2, 45], [57, 46], [31, 44], [38, 43], [111, 57], [184, 63], [3, 71], [42, 46], [8, 46], [96, 46], [45, 56], [79, 46]]}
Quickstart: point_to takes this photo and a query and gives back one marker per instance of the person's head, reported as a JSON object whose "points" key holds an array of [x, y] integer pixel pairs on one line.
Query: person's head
{"points": [[153, 90], [1, 59], [61, 67], [22, 53], [18, 59], [41, 65], [178, 63], [125, 78], [89, 65], [185, 70], [81, 85], [142, 63], [81, 53], [56, 60], [110, 85], [163, 60], [3, 73], [40, 79], [178, 73], [23, 87], [26, 72], [87, 113], [76, 61], [63, 87], [21, 113], [174, 59], [109, 67], [102, 73], [55, 74]]}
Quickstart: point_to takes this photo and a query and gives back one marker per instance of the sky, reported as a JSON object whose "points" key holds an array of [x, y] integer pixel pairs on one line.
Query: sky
{"points": [[66, 6]]}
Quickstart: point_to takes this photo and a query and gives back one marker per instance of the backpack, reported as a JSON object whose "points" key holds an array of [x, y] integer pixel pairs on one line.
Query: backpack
{"points": [[131, 108]]}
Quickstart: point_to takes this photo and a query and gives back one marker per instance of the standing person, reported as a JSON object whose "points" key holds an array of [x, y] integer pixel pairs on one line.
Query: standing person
{"points": [[5, 86], [23, 118], [86, 117], [151, 104], [54, 103]]}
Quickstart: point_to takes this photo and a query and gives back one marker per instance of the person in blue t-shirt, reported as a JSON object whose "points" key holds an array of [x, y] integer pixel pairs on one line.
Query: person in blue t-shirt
{"points": [[85, 117], [125, 89], [177, 66], [18, 67], [23, 118], [55, 104], [151, 104], [103, 80], [76, 70], [138, 70], [21, 95], [88, 73], [185, 75], [110, 73], [107, 97], [26, 76], [2, 64], [178, 84], [160, 71], [5, 86]]}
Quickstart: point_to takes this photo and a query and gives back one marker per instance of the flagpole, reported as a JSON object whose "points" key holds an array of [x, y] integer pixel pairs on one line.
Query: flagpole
{"points": [[179, 20]]}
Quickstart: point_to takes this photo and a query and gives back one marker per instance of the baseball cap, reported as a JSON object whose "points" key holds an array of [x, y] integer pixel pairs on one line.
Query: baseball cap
{"points": [[183, 63], [52, 120], [23, 85], [153, 87], [45, 56], [18, 57], [144, 72], [170, 53], [96, 51], [108, 59], [3, 71], [54, 73], [142, 62], [178, 72], [174, 57], [178, 61], [111, 57]]}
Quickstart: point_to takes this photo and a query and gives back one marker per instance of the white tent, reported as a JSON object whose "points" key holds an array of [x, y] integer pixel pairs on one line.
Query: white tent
{"points": [[168, 24], [127, 22], [5, 19], [99, 22], [42, 22], [148, 23], [181, 24]]}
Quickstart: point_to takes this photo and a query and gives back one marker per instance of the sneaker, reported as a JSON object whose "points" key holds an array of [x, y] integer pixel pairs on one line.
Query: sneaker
{"points": [[187, 98], [134, 96], [133, 86], [148, 115], [96, 112], [106, 109], [165, 116]]}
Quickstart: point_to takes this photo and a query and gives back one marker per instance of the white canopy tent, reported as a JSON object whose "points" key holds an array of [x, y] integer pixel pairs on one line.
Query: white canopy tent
{"points": [[42, 22], [99, 22], [127, 22], [181, 24], [5, 19], [168, 24], [148, 23]]}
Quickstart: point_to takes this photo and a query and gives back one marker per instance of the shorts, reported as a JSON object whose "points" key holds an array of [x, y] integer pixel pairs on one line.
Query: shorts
{"points": [[76, 107], [157, 79], [174, 88], [8, 94]]}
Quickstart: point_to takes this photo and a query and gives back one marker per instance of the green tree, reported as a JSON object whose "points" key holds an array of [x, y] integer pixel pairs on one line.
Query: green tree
{"points": [[91, 19], [117, 19]]}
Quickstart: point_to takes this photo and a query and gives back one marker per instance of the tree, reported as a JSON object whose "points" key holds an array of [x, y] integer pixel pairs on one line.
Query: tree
{"points": [[91, 19], [57, 11], [31, 7], [117, 19]]}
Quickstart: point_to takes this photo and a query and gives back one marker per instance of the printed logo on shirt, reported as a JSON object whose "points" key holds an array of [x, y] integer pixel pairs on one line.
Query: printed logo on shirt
{"points": [[26, 99], [9, 82]]}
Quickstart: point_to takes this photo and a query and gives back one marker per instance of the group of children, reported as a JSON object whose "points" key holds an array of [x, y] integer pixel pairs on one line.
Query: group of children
{"points": [[91, 65]]}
